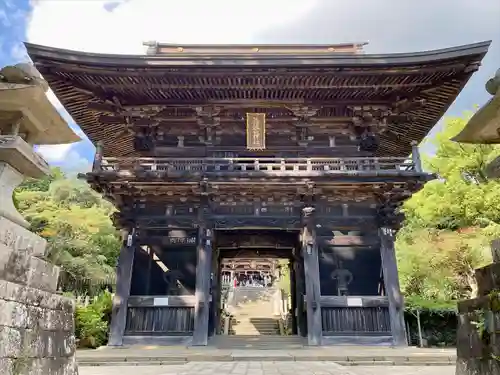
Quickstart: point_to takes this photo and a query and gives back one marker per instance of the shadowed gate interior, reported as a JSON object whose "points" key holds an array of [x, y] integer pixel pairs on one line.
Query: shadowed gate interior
{"points": [[256, 245]]}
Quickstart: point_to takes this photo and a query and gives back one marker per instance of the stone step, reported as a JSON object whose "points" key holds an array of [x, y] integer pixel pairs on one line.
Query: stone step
{"points": [[268, 348], [266, 322], [254, 329], [264, 342]]}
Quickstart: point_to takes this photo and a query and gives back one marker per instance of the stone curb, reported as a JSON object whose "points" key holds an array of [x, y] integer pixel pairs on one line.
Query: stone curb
{"points": [[344, 361]]}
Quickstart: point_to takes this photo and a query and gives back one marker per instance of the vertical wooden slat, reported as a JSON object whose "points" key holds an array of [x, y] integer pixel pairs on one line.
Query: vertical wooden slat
{"points": [[123, 282], [391, 282]]}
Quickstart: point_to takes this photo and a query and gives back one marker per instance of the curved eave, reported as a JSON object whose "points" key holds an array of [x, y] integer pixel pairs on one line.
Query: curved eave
{"points": [[241, 60]]}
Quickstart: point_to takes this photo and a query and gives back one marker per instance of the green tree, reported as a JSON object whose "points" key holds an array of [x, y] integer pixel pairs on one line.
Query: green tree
{"points": [[75, 221], [451, 221]]}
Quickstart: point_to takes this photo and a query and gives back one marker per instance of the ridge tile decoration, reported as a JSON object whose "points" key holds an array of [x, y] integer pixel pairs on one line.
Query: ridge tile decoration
{"points": [[212, 153], [256, 131]]}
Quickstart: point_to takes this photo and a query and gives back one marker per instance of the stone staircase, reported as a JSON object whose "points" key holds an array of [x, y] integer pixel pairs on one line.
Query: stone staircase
{"points": [[252, 311]]}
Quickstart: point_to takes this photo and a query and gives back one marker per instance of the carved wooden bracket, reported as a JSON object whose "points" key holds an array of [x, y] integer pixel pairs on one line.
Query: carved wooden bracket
{"points": [[208, 119], [302, 116], [367, 123]]}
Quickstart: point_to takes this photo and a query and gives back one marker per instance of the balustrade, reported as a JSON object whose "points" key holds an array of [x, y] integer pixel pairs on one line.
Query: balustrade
{"points": [[231, 166]]}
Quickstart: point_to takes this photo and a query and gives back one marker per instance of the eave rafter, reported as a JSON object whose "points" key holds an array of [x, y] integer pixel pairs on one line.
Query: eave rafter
{"points": [[418, 87]]}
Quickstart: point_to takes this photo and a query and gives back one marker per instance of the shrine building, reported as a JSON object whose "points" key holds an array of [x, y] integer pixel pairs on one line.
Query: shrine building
{"points": [[298, 152]]}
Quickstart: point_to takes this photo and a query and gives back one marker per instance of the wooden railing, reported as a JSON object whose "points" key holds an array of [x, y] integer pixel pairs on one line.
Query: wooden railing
{"points": [[263, 165]]}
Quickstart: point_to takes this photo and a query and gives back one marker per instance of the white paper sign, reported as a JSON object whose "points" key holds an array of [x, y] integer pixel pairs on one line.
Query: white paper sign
{"points": [[354, 302], [162, 301]]}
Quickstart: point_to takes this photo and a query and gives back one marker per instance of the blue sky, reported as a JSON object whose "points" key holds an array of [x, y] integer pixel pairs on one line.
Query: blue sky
{"points": [[121, 26]]}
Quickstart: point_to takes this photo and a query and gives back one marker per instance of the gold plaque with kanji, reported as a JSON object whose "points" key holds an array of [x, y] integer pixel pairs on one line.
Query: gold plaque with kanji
{"points": [[256, 131]]}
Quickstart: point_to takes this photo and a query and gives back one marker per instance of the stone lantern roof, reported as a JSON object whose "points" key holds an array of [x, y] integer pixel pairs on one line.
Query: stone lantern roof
{"points": [[27, 118], [484, 126], [24, 105]]}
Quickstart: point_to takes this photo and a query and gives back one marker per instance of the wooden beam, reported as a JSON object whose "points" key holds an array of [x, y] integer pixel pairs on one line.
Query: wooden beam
{"points": [[123, 282], [173, 301], [142, 120], [391, 282], [57, 70], [261, 86], [262, 103], [343, 301]]}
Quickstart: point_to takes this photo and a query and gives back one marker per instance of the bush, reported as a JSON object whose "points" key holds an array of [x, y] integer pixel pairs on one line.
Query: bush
{"points": [[438, 321], [92, 322]]}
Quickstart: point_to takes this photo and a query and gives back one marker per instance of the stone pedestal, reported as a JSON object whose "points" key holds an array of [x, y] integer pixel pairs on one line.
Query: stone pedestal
{"points": [[36, 324], [478, 336]]}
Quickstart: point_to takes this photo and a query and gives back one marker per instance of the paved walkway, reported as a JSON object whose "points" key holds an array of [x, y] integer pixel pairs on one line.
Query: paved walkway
{"points": [[266, 368]]}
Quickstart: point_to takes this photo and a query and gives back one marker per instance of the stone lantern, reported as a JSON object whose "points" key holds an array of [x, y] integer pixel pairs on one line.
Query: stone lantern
{"points": [[36, 323], [478, 336]]}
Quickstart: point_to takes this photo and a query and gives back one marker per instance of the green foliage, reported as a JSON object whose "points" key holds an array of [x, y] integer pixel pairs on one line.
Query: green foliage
{"points": [[92, 322], [434, 306], [75, 221], [451, 221], [438, 319]]}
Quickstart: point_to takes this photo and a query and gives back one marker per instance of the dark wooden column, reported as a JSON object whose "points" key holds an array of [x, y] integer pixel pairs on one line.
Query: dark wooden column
{"points": [[392, 288], [311, 273], [203, 271], [293, 296], [215, 287], [123, 282]]}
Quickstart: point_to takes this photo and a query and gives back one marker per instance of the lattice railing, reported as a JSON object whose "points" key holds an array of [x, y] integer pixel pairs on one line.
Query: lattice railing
{"points": [[264, 165]]}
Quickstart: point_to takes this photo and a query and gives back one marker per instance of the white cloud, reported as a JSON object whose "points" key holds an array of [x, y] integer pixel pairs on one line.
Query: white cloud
{"points": [[88, 26], [18, 53], [54, 153], [75, 163]]}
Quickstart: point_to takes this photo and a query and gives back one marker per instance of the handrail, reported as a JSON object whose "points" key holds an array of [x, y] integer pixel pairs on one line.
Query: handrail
{"points": [[239, 165]]}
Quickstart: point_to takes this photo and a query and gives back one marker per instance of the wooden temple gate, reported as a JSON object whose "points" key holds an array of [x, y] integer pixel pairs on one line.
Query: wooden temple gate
{"points": [[298, 147]]}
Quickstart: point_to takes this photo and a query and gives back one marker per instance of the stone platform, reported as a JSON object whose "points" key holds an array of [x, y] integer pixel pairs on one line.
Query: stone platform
{"points": [[267, 368], [343, 355]]}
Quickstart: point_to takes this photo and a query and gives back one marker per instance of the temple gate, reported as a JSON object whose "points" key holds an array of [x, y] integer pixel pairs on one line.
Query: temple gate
{"points": [[304, 148]]}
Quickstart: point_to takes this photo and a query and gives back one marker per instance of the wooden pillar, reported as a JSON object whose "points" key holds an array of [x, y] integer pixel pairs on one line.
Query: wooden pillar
{"points": [[122, 293], [215, 283], [202, 293], [311, 273], [96, 166], [415, 156], [293, 297], [392, 288]]}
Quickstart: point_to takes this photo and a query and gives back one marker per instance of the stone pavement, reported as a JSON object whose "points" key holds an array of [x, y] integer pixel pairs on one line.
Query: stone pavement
{"points": [[266, 368]]}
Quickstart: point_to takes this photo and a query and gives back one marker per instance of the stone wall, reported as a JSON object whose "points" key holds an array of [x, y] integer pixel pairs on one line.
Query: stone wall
{"points": [[36, 324]]}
